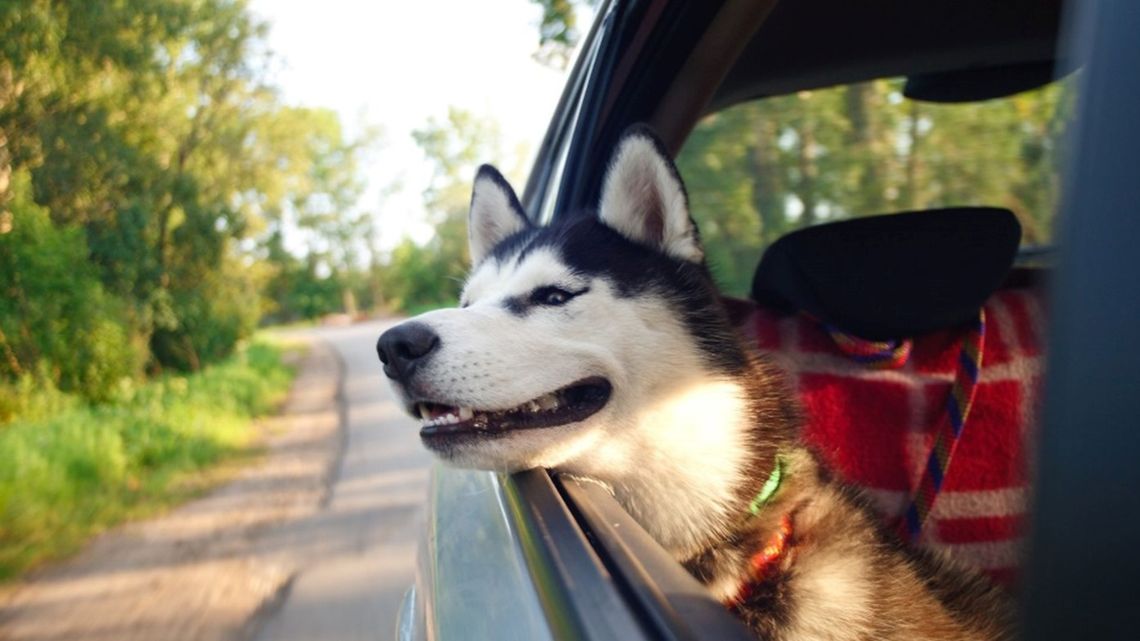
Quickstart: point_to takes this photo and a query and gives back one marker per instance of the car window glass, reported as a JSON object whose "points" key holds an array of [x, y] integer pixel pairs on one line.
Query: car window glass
{"points": [[757, 170]]}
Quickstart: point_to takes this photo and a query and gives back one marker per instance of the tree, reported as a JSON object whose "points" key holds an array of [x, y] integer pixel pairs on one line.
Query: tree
{"points": [[761, 169], [311, 192], [430, 275], [558, 31], [57, 324], [152, 155], [55, 57]]}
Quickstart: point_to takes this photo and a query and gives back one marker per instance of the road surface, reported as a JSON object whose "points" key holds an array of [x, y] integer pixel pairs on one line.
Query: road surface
{"points": [[365, 559]]}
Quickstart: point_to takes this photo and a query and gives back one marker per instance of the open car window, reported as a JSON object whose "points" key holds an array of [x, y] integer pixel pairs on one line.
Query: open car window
{"points": [[758, 170]]}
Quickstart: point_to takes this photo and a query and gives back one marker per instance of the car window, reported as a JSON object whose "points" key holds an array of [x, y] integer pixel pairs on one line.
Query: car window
{"points": [[757, 170]]}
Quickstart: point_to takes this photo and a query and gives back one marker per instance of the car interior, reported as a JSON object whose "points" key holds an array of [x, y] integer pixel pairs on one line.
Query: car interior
{"points": [[916, 338]]}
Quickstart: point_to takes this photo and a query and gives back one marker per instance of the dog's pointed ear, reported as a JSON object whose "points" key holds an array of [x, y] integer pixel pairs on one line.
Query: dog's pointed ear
{"points": [[495, 213], [644, 199]]}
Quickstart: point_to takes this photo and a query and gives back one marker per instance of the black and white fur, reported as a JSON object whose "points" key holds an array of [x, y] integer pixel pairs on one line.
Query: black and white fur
{"points": [[691, 422]]}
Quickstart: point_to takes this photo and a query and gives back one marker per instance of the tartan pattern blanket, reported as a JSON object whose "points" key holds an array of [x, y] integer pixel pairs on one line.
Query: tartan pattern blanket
{"points": [[874, 427]]}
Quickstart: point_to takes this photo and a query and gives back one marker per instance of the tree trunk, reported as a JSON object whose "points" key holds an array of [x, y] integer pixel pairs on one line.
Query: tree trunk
{"points": [[768, 191], [862, 151], [349, 299], [806, 189], [10, 356], [9, 91], [913, 200]]}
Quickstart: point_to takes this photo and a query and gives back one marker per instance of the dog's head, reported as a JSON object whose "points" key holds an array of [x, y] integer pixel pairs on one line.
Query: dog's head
{"points": [[569, 335]]}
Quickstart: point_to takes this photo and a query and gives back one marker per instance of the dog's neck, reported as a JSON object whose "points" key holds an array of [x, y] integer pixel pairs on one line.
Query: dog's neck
{"points": [[686, 470]]}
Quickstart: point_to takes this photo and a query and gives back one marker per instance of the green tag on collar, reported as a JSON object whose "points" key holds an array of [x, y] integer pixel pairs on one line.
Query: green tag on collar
{"points": [[769, 489]]}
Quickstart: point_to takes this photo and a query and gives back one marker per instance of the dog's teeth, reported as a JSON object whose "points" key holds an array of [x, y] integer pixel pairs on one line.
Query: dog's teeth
{"points": [[466, 413], [533, 406], [548, 402], [450, 418]]}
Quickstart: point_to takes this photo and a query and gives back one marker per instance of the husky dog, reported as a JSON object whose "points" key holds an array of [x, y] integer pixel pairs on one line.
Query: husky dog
{"points": [[598, 347]]}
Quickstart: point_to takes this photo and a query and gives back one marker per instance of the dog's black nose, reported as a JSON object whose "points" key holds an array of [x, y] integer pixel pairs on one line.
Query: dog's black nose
{"points": [[403, 347]]}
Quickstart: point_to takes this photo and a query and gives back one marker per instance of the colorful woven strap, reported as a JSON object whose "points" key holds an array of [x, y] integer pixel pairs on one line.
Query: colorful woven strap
{"points": [[958, 404], [874, 354], [766, 562]]}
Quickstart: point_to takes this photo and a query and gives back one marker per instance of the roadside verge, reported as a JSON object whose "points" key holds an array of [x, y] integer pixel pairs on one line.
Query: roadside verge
{"points": [[204, 570]]}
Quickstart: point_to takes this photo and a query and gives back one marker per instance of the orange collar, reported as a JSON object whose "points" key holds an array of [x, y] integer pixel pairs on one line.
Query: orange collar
{"points": [[766, 562]]}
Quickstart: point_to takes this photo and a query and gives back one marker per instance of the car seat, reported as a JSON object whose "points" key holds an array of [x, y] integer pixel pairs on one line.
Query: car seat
{"points": [[906, 334]]}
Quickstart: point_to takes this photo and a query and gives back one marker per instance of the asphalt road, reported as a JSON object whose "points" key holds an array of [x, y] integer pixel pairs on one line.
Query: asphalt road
{"points": [[363, 557]]}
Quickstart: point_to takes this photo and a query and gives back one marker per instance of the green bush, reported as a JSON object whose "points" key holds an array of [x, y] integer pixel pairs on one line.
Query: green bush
{"points": [[425, 277], [32, 397], [68, 474], [297, 292], [214, 312], [56, 320]]}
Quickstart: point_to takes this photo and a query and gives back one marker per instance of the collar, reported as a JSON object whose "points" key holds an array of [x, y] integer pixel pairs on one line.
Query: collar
{"points": [[767, 561], [764, 564], [770, 486]]}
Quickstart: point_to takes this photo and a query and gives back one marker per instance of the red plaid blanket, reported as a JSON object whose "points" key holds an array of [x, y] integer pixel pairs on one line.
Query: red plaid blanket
{"points": [[875, 427]]}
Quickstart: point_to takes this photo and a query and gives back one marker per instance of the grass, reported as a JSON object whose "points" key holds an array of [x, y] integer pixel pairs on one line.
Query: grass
{"points": [[70, 474]]}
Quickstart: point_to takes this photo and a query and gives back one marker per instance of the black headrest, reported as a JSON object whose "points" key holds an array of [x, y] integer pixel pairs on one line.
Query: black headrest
{"points": [[894, 276]]}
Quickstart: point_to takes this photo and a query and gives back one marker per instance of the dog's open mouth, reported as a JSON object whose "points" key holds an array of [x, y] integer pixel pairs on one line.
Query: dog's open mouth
{"points": [[570, 404]]}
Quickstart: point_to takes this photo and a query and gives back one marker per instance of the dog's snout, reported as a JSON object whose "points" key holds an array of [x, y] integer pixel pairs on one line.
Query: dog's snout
{"points": [[403, 347]]}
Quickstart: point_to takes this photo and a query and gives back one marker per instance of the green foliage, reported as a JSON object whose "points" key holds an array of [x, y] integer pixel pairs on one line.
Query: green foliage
{"points": [[419, 277], [558, 31], [314, 196], [148, 175], [32, 397], [67, 474], [164, 171], [215, 310], [57, 324], [428, 276], [761, 169], [297, 292]]}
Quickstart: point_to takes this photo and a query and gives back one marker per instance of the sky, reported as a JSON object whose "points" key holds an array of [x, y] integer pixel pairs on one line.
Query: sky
{"points": [[396, 64]]}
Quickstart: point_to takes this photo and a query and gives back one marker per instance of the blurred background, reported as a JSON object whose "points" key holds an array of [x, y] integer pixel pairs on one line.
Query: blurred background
{"points": [[176, 177]]}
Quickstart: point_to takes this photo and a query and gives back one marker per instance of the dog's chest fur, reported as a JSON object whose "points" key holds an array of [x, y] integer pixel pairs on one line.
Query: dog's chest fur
{"points": [[842, 576]]}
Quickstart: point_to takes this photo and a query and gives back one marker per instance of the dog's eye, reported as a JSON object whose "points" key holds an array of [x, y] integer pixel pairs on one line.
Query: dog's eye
{"points": [[551, 296]]}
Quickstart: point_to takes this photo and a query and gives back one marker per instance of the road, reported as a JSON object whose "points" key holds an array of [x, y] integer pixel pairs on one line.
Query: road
{"points": [[364, 554], [314, 539]]}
